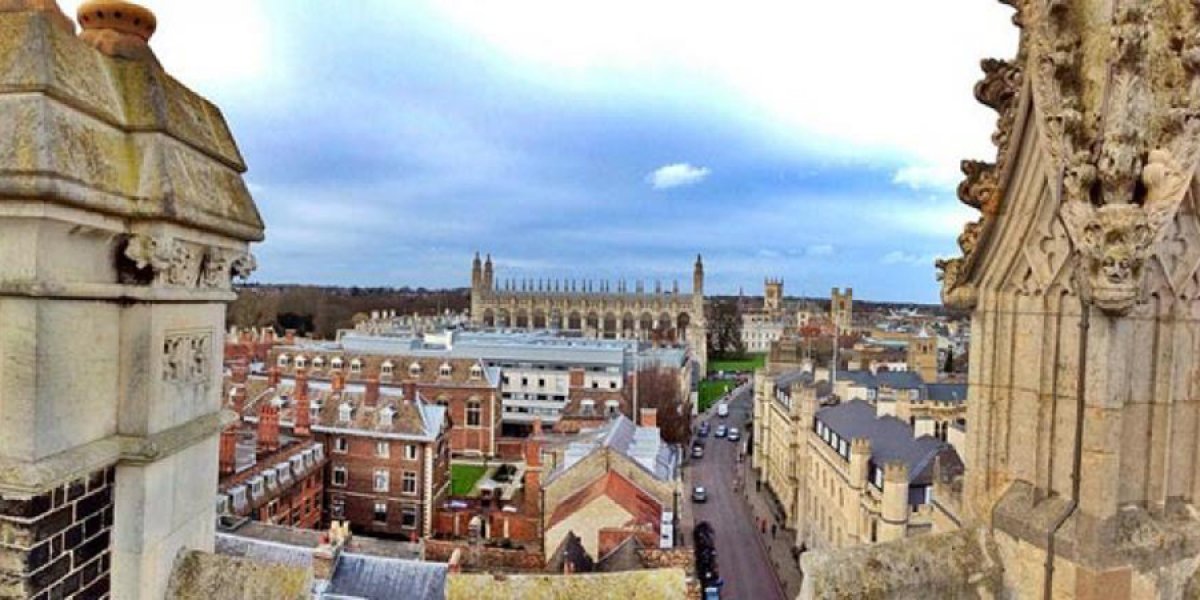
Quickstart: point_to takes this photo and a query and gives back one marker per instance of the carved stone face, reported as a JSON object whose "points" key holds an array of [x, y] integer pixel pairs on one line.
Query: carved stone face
{"points": [[1118, 242]]}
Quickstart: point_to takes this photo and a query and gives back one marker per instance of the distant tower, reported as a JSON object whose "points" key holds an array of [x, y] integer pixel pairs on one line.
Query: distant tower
{"points": [[697, 335], [489, 281], [923, 356], [476, 272], [476, 289], [773, 295], [841, 308]]}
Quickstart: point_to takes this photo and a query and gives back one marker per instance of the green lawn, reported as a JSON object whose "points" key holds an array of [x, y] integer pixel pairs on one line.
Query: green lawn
{"points": [[463, 478], [711, 391], [751, 363]]}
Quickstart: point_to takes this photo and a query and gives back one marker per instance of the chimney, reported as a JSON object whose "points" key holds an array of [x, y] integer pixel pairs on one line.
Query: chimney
{"points": [[239, 400], [533, 470], [576, 378], [273, 377], [239, 373], [268, 427], [410, 391], [228, 459], [325, 557], [289, 337], [268, 336], [339, 381], [302, 415], [649, 417], [247, 336], [301, 386], [372, 397], [116, 28]]}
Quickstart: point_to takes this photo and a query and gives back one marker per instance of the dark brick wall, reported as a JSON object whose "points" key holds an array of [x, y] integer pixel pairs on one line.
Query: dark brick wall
{"points": [[56, 544]]}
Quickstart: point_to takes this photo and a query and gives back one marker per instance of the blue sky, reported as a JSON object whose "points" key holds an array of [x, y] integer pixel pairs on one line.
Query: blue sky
{"points": [[387, 141]]}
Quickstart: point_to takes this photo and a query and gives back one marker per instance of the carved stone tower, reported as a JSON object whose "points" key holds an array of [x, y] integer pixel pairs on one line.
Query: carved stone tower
{"points": [[477, 288], [773, 296], [922, 356], [123, 217], [841, 308], [1081, 275]]}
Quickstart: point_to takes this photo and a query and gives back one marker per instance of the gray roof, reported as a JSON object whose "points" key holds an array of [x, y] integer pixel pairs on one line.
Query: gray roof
{"points": [[947, 392], [786, 380], [373, 577], [891, 439], [901, 380], [643, 445]]}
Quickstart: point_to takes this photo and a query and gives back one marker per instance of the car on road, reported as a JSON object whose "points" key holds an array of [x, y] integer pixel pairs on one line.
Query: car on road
{"points": [[733, 435], [703, 429], [720, 431], [723, 410], [697, 451], [699, 494]]}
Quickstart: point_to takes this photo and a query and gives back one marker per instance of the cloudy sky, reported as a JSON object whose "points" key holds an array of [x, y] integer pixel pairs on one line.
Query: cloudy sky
{"points": [[389, 140]]}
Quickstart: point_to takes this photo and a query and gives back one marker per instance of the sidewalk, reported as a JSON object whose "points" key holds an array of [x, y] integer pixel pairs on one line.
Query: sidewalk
{"points": [[779, 547]]}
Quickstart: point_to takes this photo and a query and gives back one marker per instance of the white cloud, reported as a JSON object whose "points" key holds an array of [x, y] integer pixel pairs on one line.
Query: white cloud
{"points": [[919, 177], [900, 257], [676, 175], [819, 250]]}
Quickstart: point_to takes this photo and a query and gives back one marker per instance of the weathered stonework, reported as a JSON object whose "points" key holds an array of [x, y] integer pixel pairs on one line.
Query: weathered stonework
{"points": [[123, 219]]}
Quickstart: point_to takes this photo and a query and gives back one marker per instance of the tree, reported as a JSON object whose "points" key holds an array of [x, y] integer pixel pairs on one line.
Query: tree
{"points": [[725, 329], [949, 366], [660, 389]]}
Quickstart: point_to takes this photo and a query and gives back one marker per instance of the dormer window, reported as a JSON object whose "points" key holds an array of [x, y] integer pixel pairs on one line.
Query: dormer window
{"points": [[387, 369], [386, 414], [476, 372], [318, 363], [345, 413], [283, 360], [445, 370], [356, 366], [414, 369], [336, 363], [301, 362]]}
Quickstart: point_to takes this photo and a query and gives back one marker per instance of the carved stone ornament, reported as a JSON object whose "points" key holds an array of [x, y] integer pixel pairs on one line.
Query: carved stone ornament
{"points": [[187, 357], [1116, 239], [244, 265], [176, 263]]}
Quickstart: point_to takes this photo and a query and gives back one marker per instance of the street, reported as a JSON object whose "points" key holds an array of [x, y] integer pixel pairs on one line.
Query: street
{"points": [[742, 559]]}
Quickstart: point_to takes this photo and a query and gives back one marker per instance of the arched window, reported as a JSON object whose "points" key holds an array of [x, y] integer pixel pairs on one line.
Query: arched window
{"points": [[356, 366], [387, 368], [445, 370], [414, 369], [336, 363], [301, 362]]}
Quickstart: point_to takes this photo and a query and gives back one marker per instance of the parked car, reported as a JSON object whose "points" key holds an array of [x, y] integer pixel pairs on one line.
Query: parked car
{"points": [[697, 451], [723, 410], [699, 494], [720, 431], [734, 435], [703, 429]]}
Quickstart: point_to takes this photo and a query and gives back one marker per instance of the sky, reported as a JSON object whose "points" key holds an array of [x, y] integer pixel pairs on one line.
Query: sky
{"points": [[387, 141]]}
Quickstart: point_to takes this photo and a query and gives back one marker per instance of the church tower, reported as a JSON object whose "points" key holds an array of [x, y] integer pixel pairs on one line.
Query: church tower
{"points": [[697, 334], [922, 356], [773, 296], [841, 308]]}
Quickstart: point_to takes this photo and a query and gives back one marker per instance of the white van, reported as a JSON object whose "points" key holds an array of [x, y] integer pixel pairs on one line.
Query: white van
{"points": [[723, 410]]}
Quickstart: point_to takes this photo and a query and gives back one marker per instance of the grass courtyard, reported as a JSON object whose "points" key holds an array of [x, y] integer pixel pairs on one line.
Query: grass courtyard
{"points": [[749, 363], [711, 391], [463, 478]]}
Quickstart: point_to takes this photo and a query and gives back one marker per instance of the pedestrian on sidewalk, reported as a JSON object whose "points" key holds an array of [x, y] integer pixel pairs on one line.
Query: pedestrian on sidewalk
{"points": [[773, 530]]}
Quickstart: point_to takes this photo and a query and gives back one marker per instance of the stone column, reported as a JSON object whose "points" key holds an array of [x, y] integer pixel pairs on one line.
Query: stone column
{"points": [[123, 217], [893, 520]]}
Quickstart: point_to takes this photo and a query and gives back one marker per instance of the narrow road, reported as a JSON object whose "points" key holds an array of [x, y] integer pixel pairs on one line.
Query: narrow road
{"points": [[741, 557]]}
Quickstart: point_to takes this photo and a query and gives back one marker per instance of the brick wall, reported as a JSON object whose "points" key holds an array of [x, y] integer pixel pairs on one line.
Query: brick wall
{"points": [[56, 544], [358, 495], [479, 557]]}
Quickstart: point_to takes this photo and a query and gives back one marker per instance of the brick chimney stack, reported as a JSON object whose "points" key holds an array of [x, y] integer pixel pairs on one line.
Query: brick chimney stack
{"points": [[289, 337], [339, 381], [410, 391], [240, 371], [649, 417], [268, 336], [302, 415], [229, 449], [533, 470], [268, 428], [273, 377], [372, 397]]}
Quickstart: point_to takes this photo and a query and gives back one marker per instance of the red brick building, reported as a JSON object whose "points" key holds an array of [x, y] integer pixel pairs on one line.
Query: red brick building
{"points": [[468, 390]]}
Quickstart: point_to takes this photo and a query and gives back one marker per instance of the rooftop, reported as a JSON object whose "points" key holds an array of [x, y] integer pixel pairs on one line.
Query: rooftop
{"points": [[891, 439]]}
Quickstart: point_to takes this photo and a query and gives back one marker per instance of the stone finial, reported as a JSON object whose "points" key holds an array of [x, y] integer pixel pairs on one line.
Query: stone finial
{"points": [[117, 28], [50, 7]]}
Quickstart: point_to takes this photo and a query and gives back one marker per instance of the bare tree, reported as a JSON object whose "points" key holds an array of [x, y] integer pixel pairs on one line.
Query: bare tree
{"points": [[660, 389]]}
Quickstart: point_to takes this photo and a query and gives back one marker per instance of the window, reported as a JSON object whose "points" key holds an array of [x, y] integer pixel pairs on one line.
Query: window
{"points": [[382, 449], [356, 366], [610, 407], [318, 362], [410, 452], [385, 416], [476, 372], [301, 362], [340, 445], [473, 411], [408, 517], [445, 370], [381, 512], [414, 369], [612, 385], [345, 412], [410, 483], [337, 363], [387, 368], [595, 385], [381, 480], [339, 476], [337, 507], [283, 360], [541, 382]]}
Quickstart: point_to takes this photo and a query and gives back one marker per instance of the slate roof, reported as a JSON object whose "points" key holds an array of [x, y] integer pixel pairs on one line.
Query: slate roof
{"points": [[891, 439], [947, 392], [642, 445], [785, 380], [377, 578]]}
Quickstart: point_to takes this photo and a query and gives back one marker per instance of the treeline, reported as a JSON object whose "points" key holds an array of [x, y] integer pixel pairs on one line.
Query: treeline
{"points": [[320, 311]]}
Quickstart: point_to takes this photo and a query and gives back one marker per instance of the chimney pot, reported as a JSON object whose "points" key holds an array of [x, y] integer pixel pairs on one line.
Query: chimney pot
{"points": [[117, 28], [229, 450], [649, 417], [268, 428]]}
